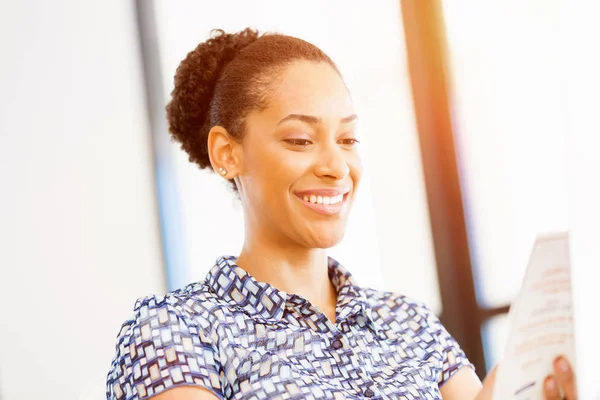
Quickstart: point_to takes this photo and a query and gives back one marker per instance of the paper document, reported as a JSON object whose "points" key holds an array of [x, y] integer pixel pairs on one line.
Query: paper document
{"points": [[541, 322]]}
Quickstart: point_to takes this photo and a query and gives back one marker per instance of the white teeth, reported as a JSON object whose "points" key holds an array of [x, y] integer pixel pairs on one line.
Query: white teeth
{"points": [[327, 200]]}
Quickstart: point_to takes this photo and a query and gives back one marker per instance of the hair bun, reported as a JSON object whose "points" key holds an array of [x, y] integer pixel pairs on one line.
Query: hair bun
{"points": [[195, 81]]}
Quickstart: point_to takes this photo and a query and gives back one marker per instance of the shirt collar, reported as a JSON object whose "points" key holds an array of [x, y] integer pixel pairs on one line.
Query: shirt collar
{"points": [[235, 285], [352, 299], [263, 301]]}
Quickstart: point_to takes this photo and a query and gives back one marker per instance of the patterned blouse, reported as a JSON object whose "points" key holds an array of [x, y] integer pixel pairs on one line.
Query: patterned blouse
{"points": [[244, 339]]}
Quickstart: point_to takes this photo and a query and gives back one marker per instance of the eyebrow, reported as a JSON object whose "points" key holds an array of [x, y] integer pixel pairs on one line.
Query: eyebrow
{"points": [[310, 119]]}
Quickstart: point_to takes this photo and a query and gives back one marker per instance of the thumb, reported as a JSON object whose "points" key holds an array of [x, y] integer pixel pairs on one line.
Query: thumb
{"points": [[488, 386]]}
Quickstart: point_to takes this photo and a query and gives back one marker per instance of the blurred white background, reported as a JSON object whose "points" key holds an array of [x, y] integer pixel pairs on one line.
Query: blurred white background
{"points": [[510, 120], [79, 230]]}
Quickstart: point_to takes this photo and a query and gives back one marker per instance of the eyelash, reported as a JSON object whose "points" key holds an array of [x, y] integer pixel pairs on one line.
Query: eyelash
{"points": [[299, 142], [305, 142]]}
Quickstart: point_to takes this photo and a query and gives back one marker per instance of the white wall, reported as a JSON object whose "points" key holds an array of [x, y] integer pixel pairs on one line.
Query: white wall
{"points": [[580, 34], [509, 121], [509, 118], [78, 233], [527, 117]]}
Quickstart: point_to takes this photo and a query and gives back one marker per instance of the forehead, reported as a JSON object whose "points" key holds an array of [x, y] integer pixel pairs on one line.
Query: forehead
{"points": [[310, 88]]}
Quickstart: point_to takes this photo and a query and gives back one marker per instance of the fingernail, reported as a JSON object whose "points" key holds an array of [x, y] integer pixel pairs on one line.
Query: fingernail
{"points": [[563, 365], [550, 385]]}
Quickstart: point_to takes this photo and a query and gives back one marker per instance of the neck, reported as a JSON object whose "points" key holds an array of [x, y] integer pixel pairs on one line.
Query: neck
{"points": [[299, 271]]}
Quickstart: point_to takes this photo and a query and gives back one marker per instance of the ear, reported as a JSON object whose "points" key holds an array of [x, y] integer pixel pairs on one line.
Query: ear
{"points": [[224, 153]]}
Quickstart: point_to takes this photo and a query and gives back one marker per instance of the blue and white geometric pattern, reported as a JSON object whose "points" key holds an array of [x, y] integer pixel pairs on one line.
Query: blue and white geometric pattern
{"points": [[244, 339]]}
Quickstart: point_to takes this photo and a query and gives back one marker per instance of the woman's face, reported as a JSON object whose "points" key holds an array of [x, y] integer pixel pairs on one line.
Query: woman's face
{"points": [[300, 167]]}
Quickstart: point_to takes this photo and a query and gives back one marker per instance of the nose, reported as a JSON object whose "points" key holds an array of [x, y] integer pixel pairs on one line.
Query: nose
{"points": [[332, 163]]}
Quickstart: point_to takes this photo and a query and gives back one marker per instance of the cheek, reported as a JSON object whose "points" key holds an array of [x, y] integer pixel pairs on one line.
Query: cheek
{"points": [[273, 171]]}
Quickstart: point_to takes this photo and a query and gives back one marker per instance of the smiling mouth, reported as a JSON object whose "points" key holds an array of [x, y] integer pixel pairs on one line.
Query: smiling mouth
{"points": [[326, 205]]}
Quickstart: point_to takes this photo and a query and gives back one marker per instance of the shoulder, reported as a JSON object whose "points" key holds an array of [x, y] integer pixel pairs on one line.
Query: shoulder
{"points": [[169, 340], [193, 307], [394, 306], [419, 330], [410, 320]]}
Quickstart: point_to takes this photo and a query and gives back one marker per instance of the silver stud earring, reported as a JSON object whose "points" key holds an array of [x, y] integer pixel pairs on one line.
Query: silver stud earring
{"points": [[222, 171]]}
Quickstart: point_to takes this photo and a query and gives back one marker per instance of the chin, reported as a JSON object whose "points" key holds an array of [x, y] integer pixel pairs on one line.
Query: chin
{"points": [[326, 241]]}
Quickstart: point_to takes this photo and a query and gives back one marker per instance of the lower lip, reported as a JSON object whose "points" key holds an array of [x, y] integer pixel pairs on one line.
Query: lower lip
{"points": [[325, 209]]}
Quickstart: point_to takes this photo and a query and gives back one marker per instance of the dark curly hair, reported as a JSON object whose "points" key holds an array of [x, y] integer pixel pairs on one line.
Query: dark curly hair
{"points": [[225, 78]]}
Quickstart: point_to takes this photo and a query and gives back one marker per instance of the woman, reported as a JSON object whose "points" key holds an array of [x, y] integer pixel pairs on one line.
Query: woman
{"points": [[272, 115]]}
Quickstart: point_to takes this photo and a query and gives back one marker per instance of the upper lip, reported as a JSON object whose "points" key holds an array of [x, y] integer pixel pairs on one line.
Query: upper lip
{"points": [[329, 192]]}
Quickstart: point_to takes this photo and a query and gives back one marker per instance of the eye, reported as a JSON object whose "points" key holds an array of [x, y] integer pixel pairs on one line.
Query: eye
{"points": [[348, 142], [299, 142]]}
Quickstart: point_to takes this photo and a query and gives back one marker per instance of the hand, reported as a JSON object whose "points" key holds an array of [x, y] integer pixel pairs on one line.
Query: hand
{"points": [[563, 379]]}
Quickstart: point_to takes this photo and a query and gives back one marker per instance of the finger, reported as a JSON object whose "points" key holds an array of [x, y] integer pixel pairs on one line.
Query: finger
{"points": [[565, 377], [551, 391]]}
